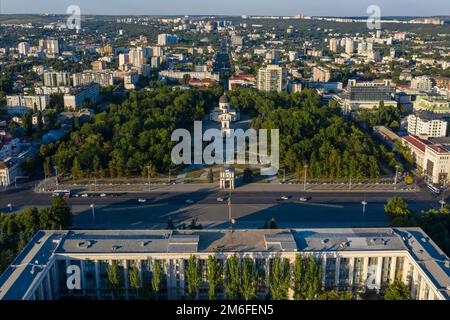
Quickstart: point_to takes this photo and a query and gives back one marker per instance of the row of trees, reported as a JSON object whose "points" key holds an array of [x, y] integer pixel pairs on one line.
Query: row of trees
{"points": [[313, 134], [436, 223], [128, 137], [238, 279], [17, 229]]}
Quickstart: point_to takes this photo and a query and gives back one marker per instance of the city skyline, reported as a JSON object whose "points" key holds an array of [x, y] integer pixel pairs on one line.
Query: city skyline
{"points": [[232, 7]]}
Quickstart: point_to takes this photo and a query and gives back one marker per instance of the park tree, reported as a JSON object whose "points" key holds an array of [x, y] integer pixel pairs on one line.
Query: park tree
{"points": [[135, 280], [249, 279], [114, 278], [157, 276], [397, 291], [28, 124], [214, 276], [279, 279], [307, 283], [232, 278], [210, 176], [193, 277]]}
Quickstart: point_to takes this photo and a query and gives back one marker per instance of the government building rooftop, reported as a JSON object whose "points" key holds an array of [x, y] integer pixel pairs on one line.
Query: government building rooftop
{"points": [[348, 258]]}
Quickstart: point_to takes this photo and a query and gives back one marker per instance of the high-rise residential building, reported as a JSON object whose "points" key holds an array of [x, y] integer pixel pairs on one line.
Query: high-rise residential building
{"points": [[103, 78], [423, 83], [333, 45], [98, 65], [21, 104], [124, 59], [139, 56], [51, 46], [23, 48], [56, 78], [272, 56], [349, 46], [426, 124], [321, 74], [272, 78], [359, 260], [167, 39]]}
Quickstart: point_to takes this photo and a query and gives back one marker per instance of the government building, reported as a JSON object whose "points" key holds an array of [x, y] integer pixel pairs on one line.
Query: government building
{"points": [[359, 260]]}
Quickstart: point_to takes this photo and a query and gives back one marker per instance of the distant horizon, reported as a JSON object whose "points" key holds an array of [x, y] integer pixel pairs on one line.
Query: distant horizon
{"points": [[235, 8]]}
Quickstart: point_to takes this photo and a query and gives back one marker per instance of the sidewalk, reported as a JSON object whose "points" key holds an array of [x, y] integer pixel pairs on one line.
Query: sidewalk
{"points": [[49, 186]]}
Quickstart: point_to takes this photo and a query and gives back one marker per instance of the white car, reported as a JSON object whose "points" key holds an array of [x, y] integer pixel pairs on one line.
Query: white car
{"points": [[84, 195], [305, 199], [103, 195], [220, 200], [284, 198], [140, 200], [189, 201]]}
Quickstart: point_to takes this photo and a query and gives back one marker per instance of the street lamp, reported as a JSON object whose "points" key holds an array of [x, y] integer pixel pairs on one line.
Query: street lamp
{"points": [[284, 175], [10, 207], [442, 203], [56, 169], [93, 212], [396, 176], [304, 182], [364, 203], [148, 176]]}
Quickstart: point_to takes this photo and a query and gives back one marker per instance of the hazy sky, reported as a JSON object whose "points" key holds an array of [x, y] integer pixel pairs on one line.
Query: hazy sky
{"points": [[231, 7]]}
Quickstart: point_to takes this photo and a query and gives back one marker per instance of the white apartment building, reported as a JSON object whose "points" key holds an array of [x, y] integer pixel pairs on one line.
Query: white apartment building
{"points": [[179, 75], [436, 104], [333, 46], [422, 83], [427, 125], [432, 159], [56, 79], [23, 48], [77, 96], [104, 78], [272, 78], [9, 170], [357, 260], [167, 39], [321, 74], [21, 104]]}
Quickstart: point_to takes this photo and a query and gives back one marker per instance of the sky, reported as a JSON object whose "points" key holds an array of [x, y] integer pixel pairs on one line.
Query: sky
{"points": [[231, 7]]}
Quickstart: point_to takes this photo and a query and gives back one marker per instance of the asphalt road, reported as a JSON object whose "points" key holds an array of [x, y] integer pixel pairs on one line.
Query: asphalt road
{"points": [[250, 209]]}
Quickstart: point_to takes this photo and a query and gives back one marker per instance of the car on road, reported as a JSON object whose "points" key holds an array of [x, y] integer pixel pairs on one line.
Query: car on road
{"points": [[190, 201], [141, 200], [305, 199], [220, 199], [284, 198], [84, 195], [103, 195]]}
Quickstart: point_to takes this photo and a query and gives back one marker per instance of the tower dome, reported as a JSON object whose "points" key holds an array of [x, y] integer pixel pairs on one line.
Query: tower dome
{"points": [[224, 99]]}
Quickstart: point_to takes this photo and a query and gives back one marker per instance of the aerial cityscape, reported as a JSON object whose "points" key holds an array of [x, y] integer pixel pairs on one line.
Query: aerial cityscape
{"points": [[216, 152]]}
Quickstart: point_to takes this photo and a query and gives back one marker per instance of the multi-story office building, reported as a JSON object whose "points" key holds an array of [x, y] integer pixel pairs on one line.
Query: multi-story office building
{"points": [[427, 124], [321, 74], [77, 96], [21, 104], [436, 104], [56, 79], [359, 260], [272, 78], [167, 39], [366, 95], [10, 168], [432, 159], [103, 78], [423, 83]]}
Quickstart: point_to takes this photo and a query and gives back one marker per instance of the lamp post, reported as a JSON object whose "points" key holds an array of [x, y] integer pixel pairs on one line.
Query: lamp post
{"points": [[148, 176], [10, 207], [364, 204], [56, 169], [284, 175], [304, 182], [442, 203], [350, 184], [93, 212], [396, 177]]}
